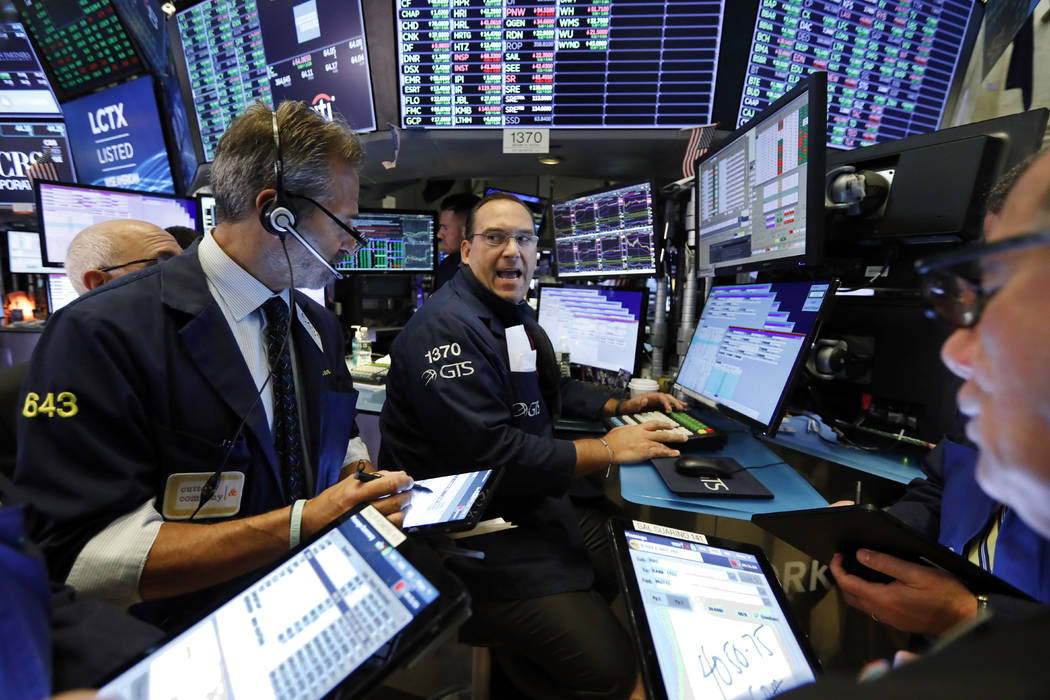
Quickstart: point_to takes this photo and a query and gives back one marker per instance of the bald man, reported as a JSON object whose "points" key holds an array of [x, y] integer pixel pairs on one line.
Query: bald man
{"points": [[110, 249]]}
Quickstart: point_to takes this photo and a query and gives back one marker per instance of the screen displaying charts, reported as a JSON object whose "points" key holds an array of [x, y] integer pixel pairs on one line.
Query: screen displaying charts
{"points": [[599, 326], [397, 241], [611, 232], [890, 65], [559, 63], [24, 89], [238, 51]]}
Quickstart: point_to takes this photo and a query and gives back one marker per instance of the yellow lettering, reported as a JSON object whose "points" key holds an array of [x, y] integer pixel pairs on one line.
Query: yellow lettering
{"points": [[29, 410], [68, 409]]}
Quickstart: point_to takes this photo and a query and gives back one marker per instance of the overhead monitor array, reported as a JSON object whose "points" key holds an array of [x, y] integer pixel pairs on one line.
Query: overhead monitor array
{"points": [[398, 241], [890, 65], [234, 52], [607, 63]]}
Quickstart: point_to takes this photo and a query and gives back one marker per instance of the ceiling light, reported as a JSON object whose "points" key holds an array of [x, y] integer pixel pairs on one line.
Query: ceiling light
{"points": [[550, 160]]}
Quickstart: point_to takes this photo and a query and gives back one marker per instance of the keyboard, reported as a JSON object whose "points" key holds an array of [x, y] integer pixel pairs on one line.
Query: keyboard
{"points": [[369, 374], [699, 435]]}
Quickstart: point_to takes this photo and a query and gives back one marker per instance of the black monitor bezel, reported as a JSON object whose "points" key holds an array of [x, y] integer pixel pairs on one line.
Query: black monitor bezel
{"points": [[768, 429], [817, 85], [657, 227], [46, 261], [415, 271], [639, 341]]}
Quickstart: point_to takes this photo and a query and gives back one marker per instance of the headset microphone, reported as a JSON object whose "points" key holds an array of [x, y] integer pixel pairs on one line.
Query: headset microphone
{"points": [[283, 221]]}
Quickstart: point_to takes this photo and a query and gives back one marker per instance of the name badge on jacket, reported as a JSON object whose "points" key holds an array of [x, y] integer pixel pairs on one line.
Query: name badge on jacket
{"points": [[182, 493], [520, 354]]}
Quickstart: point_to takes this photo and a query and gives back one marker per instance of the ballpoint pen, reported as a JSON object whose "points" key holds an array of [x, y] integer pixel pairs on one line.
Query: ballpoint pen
{"points": [[361, 475]]}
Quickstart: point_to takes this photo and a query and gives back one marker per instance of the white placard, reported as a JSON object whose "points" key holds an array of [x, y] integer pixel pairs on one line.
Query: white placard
{"points": [[526, 140], [665, 531]]}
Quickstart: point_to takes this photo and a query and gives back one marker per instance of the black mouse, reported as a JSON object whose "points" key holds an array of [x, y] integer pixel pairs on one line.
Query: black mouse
{"points": [[691, 465]]}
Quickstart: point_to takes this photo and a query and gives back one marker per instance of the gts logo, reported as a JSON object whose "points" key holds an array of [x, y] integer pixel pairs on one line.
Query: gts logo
{"points": [[454, 370]]}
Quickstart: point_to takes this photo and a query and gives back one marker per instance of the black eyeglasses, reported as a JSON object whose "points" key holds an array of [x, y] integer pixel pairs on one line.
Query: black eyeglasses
{"points": [[359, 238], [144, 261], [957, 298]]}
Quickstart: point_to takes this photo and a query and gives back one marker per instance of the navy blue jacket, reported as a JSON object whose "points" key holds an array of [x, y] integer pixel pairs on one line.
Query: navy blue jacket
{"points": [[453, 405], [161, 387], [950, 506]]}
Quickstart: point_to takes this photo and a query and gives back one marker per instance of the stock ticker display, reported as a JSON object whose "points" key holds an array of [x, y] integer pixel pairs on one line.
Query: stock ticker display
{"points": [[557, 63], [890, 63], [239, 51], [608, 233]]}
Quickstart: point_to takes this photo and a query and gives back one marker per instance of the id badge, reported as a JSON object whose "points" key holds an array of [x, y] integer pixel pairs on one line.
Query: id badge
{"points": [[182, 492]]}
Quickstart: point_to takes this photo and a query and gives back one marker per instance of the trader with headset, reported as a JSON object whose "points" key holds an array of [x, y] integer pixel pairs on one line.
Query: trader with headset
{"points": [[185, 425]]}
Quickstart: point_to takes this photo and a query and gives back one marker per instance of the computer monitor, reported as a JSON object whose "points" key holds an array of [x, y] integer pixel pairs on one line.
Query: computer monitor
{"points": [[206, 212], [399, 240], [283, 50], [606, 233], [891, 66], [755, 192], [83, 43], [601, 327], [60, 291], [749, 345], [65, 210], [534, 203], [21, 142], [23, 253], [24, 89], [118, 140], [617, 64]]}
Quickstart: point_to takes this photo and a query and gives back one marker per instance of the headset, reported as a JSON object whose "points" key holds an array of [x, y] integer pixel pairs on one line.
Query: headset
{"points": [[278, 215]]}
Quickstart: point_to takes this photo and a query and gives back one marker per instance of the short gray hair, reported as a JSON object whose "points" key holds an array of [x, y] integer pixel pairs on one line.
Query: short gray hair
{"points": [[91, 249], [244, 159]]}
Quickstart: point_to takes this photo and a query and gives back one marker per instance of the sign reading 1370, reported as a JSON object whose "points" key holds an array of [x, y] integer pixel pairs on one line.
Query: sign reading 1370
{"points": [[526, 140]]}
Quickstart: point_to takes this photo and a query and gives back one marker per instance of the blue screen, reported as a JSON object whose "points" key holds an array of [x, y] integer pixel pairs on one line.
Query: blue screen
{"points": [[117, 138]]}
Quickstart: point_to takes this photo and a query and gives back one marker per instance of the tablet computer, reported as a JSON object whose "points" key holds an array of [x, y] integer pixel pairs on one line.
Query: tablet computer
{"points": [[709, 618], [820, 532], [343, 610], [450, 503]]}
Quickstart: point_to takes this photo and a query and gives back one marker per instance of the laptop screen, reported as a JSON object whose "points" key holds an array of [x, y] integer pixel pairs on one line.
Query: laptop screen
{"points": [[715, 621], [298, 631]]}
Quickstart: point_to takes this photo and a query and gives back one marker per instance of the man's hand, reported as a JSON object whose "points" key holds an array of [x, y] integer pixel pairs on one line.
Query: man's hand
{"points": [[635, 443], [922, 599], [390, 494], [651, 401]]}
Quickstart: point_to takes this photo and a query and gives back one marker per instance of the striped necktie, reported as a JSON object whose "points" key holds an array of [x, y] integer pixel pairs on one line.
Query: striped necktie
{"points": [[286, 436]]}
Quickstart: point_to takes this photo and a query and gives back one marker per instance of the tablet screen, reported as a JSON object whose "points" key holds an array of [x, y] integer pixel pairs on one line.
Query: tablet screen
{"points": [[450, 498], [298, 631], [715, 621]]}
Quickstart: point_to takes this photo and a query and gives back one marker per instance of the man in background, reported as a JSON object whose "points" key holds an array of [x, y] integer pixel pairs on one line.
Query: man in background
{"points": [[110, 249], [452, 228]]}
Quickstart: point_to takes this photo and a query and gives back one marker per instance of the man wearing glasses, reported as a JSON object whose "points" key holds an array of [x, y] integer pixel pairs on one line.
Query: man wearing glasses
{"points": [[186, 425], [474, 384], [105, 251], [995, 294]]}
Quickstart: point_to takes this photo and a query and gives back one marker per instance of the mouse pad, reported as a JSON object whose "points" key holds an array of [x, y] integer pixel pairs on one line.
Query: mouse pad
{"points": [[740, 485]]}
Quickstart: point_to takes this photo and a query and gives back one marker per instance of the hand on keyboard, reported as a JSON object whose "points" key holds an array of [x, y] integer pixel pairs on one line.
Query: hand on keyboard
{"points": [[635, 443], [656, 400]]}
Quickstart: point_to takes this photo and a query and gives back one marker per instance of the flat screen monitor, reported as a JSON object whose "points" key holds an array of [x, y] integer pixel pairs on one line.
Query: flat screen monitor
{"points": [[65, 210], [118, 140], [891, 65], [82, 41], [60, 291], [21, 143], [24, 89], [606, 233], [234, 52], [399, 240], [755, 192], [206, 212], [601, 327], [23, 253], [617, 63], [749, 344], [534, 203]]}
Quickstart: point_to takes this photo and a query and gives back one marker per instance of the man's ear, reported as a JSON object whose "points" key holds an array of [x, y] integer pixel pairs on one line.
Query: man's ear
{"points": [[95, 278], [464, 250]]}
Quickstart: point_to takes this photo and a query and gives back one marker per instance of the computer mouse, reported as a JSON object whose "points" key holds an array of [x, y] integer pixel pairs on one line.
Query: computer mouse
{"points": [[691, 465]]}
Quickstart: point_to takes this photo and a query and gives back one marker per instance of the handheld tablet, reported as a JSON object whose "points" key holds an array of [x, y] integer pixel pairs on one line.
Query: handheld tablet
{"points": [[450, 503], [708, 616], [343, 610], [820, 532]]}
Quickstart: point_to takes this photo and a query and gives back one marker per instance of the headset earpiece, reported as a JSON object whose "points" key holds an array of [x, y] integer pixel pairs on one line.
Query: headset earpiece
{"points": [[278, 214]]}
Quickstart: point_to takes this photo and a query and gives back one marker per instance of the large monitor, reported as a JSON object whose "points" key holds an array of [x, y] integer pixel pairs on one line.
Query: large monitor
{"points": [[399, 240], [24, 90], [23, 253], [749, 345], [616, 63], [234, 52], [21, 143], [601, 327], [891, 65], [65, 210], [83, 43], [760, 195], [606, 233], [117, 138]]}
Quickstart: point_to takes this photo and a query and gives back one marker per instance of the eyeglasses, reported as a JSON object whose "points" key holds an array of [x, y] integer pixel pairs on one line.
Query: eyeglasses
{"points": [[359, 238], [144, 261], [526, 241], [955, 297]]}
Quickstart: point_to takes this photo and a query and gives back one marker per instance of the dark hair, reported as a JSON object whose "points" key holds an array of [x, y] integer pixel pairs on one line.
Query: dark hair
{"points": [[491, 197], [461, 203], [184, 235], [993, 203]]}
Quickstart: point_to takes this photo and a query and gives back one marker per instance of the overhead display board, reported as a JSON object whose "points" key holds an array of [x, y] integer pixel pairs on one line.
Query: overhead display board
{"points": [[24, 90]]}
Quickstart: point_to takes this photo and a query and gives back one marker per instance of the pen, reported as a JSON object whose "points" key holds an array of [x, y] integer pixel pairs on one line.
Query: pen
{"points": [[372, 476]]}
